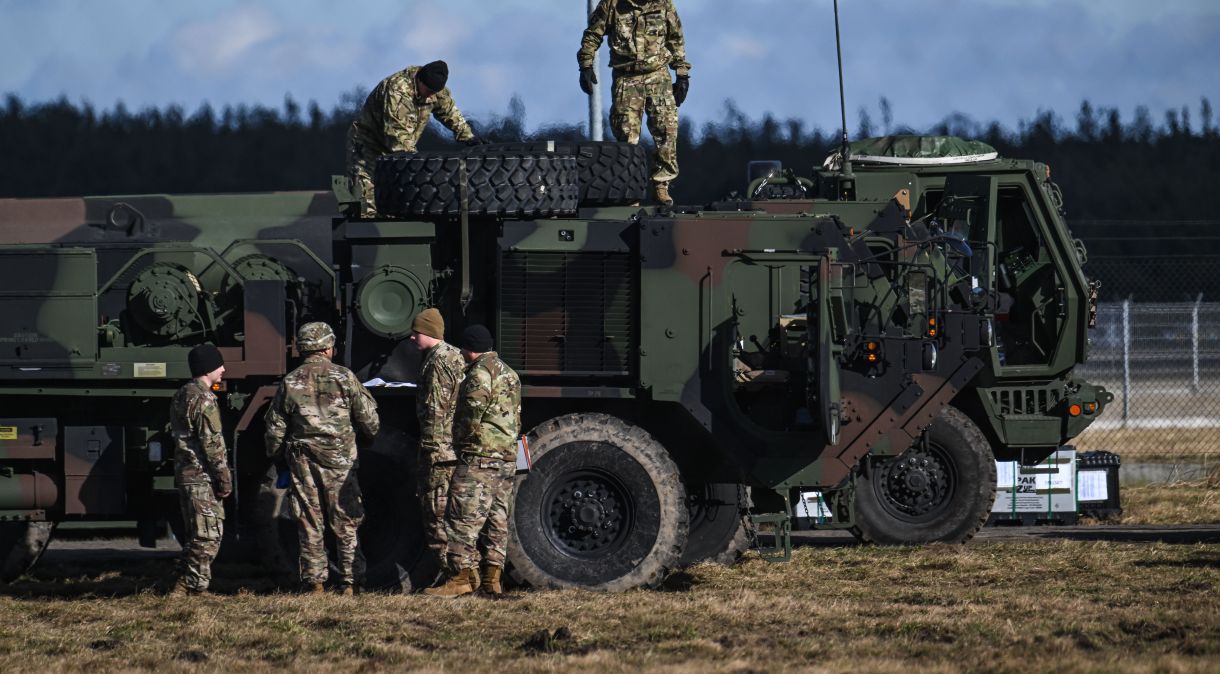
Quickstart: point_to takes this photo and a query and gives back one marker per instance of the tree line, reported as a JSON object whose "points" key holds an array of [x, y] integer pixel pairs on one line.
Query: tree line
{"points": [[1109, 167]]}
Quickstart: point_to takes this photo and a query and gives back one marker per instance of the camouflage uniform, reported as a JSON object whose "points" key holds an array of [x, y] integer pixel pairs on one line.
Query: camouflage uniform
{"points": [[435, 405], [392, 120], [485, 431], [200, 472], [314, 418], [645, 38]]}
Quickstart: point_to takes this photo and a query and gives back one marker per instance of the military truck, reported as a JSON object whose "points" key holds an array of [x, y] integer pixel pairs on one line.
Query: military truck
{"points": [[879, 329]]}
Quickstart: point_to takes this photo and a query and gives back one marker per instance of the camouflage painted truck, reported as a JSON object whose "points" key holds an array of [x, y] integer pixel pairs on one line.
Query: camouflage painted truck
{"points": [[878, 331]]}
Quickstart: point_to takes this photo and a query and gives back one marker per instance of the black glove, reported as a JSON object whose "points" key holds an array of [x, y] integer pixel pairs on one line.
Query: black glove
{"points": [[587, 79], [681, 86], [477, 140]]}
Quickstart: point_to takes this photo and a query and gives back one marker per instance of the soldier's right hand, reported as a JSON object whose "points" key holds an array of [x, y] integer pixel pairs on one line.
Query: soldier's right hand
{"points": [[588, 78]]}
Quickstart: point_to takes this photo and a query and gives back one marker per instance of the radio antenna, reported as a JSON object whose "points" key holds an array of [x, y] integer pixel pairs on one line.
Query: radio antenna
{"points": [[845, 162]]}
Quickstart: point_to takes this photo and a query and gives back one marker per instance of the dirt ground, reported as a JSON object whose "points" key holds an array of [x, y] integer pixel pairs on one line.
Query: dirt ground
{"points": [[1080, 599]]}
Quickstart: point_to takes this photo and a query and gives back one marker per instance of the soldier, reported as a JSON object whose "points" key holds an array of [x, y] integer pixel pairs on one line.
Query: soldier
{"points": [[201, 471], [485, 430], [436, 401], [311, 421], [645, 39], [394, 117]]}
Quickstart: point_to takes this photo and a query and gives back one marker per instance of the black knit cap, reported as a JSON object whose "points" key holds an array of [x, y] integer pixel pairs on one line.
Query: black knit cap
{"points": [[434, 75], [476, 339], [203, 359]]}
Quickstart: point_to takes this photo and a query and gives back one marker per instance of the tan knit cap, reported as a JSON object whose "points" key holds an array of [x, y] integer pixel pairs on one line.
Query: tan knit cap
{"points": [[429, 322]]}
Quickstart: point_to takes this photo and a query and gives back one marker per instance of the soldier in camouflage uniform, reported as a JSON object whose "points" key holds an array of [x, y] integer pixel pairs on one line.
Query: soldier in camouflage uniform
{"points": [[646, 40], [394, 117], [201, 471], [485, 431], [435, 402], [313, 421]]}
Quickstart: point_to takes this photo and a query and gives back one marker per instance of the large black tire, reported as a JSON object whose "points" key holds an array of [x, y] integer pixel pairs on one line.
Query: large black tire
{"points": [[718, 531], [602, 509], [21, 544], [610, 173], [506, 184], [941, 494]]}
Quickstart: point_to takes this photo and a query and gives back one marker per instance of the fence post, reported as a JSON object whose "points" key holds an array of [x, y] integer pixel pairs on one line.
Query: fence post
{"points": [[1126, 360], [595, 98], [1194, 344]]}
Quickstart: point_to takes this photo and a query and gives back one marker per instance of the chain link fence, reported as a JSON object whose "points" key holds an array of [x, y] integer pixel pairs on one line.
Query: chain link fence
{"points": [[1156, 347]]}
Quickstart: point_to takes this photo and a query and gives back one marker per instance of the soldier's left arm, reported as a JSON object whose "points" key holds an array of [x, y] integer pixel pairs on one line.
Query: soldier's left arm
{"points": [[211, 438], [676, 42], [447, 112], [364, 407]]}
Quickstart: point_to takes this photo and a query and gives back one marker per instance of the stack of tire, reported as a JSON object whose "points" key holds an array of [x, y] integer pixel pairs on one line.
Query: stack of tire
{"points": [[524, 180]]}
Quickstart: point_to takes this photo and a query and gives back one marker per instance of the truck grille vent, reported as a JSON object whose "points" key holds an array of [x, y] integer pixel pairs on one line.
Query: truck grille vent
{"points": [[1010, 401], [569, 314]]}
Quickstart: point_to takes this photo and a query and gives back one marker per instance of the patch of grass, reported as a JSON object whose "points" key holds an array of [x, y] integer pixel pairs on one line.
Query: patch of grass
{"points": [[1154, 445], [1186, 502], [1066, 606]]}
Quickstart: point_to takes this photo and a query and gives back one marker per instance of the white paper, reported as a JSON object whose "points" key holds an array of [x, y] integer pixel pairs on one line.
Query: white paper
{"points": [[376, 382], [1093, 486], [1004, 475]]}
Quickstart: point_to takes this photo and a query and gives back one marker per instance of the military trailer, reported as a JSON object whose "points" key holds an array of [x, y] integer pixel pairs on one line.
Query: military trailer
{"points": [[879, 330]]}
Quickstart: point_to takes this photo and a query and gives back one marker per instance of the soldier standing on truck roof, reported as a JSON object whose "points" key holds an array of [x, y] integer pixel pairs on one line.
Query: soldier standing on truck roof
{"points": [[435, 403], [646, 40], [485, 430], [394, 117], [313, 420], [201, 470]]}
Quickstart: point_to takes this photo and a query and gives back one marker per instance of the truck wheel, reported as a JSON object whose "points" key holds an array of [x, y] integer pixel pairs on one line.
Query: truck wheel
{"points": [[943, 493], [609, 173], [603, 507], [21, 544], [429, 184], [717, 526]]}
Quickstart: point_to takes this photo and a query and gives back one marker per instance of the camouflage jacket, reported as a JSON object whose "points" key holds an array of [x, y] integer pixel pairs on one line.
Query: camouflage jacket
{"points": [[199, 445], [436, 401], [316, 412], [488, 418], [644, 35], [394, 117]]}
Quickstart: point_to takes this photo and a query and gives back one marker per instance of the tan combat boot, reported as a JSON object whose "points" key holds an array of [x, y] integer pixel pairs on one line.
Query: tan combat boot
{"points": [[347, 591], [662, 194], [490, 585], [463, 582], [313, 588], [178, 589]]}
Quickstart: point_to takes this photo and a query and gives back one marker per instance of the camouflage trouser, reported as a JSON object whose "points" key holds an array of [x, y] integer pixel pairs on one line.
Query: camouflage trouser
{"points": [[433, 498], [325, 496], [635, 95], [476, 519], [360, 171], [203, 517]]}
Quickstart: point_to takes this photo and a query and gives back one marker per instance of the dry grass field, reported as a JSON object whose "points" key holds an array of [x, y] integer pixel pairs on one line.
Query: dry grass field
{"points": [[1155, 445], [1064, 606], [1186, 502]]}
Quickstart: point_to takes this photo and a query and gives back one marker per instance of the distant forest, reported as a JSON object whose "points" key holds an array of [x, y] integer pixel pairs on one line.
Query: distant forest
{"points": [[1110, 168]]}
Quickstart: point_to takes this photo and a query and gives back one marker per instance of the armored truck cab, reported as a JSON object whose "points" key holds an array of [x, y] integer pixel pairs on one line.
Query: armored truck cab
{"points": [[881, 335]]}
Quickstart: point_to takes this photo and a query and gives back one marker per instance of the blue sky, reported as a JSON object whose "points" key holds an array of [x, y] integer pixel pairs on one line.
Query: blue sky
{"points": [[988, 59]]}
